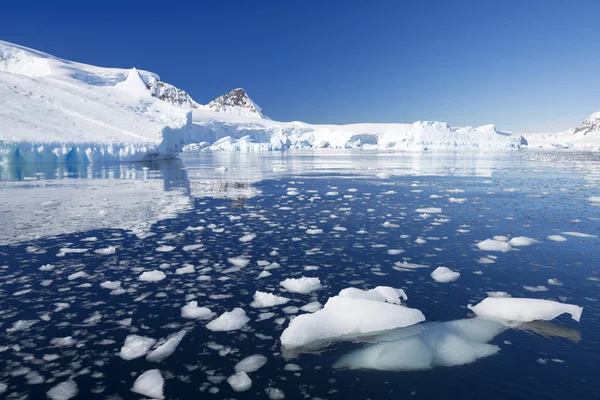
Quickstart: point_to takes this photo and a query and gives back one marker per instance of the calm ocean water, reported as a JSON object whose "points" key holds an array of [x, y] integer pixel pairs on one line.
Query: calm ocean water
{"points": [[314, 214]]}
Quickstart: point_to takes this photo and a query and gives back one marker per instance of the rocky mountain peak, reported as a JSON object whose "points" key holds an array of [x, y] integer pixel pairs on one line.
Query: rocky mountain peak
{"points": [[237, 102], [590, 124]]}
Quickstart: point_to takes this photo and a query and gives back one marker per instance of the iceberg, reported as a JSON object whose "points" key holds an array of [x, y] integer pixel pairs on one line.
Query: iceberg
{"points": [[523, 309], [343, 317]]}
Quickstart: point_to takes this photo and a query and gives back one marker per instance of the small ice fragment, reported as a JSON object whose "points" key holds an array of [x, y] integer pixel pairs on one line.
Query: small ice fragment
{"points": [[167, 348], [523, 309], [239, 262], [521, 241], [430, 210], [63, 391], [136, 346], [187, 269], [106, 251], [302, 285], [150, 384], [165, 249], [152, 276], [384, 175], [229, 321], [311, 307], [539, 288], [251, 363], [263, 300], [494, 245], [554, 282], [444, 275], [112, 285], [247, 238], [240, 381], [192, 311], [557, 238]]}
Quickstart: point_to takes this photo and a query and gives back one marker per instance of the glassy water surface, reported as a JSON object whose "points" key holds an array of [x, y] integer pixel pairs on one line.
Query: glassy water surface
{"points": [[75, 241]]}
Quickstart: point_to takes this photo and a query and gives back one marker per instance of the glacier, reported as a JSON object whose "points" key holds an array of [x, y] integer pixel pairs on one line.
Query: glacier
{"points": [[58, 111]]}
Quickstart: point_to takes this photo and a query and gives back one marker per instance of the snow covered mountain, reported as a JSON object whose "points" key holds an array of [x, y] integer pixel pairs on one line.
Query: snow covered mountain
{"points": [[54, 110], [237, 102], [584, 136]]}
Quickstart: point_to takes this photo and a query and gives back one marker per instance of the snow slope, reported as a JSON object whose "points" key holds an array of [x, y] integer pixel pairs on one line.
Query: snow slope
{"points": [[585, 136], [52, 110]]}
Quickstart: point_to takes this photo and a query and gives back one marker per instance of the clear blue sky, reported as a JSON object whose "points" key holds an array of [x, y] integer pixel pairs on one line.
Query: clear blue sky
{"points": [[524, 65]]}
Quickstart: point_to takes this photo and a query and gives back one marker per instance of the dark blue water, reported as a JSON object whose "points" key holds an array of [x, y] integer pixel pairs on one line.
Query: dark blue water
{"points": [[139, 208]]}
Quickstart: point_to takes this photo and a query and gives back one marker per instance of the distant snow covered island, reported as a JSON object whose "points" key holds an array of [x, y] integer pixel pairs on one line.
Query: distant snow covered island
{"points": [[59, 111]]}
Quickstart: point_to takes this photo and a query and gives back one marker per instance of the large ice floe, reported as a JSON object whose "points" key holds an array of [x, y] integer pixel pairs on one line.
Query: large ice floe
{"points": [[352, 313], [58, 111], [524, 310]]}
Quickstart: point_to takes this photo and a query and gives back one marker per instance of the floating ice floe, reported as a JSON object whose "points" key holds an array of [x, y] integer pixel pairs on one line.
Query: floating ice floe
{"points": [[240, 381], [167, 348], [302, 285], [247, 238], [63, 391], [523, 309], [263, 300], [112, 285], [106, 251], [521, 241], [151, 384], [539, 288], [557, 238], [187, 269], [192, 311], [457, 200], [426, 346], [444, 275], [239, 262], [430, 210], [581, 235], [165, 249], [251, 364], [554, 282], [384, 175], [312, 307], [152, 276], [498, 294], [494, 245], [343, 317], [229, 321], [136, 346], [404, 266]]}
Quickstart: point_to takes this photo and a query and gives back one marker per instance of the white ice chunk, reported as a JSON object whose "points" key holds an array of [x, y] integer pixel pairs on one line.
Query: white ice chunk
{"points": [[430, 210], [112, 285], [63, 391], [579, 234], [444, 275], [187, 269], [192, 311], [263, 300], [343, 317], [152, 276], [494, 245], [251, 363], [302, 285], [521, 241], [557, 238], [136, 346], [240, 382], [239, 262], [150, 384], [229, 321], [524, 310], [312, 307], [247, 238], [167, 348], [106, 251]]}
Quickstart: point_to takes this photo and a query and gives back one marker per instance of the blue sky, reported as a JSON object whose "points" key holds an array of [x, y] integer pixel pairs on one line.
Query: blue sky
{"points": [[524, 65]]}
